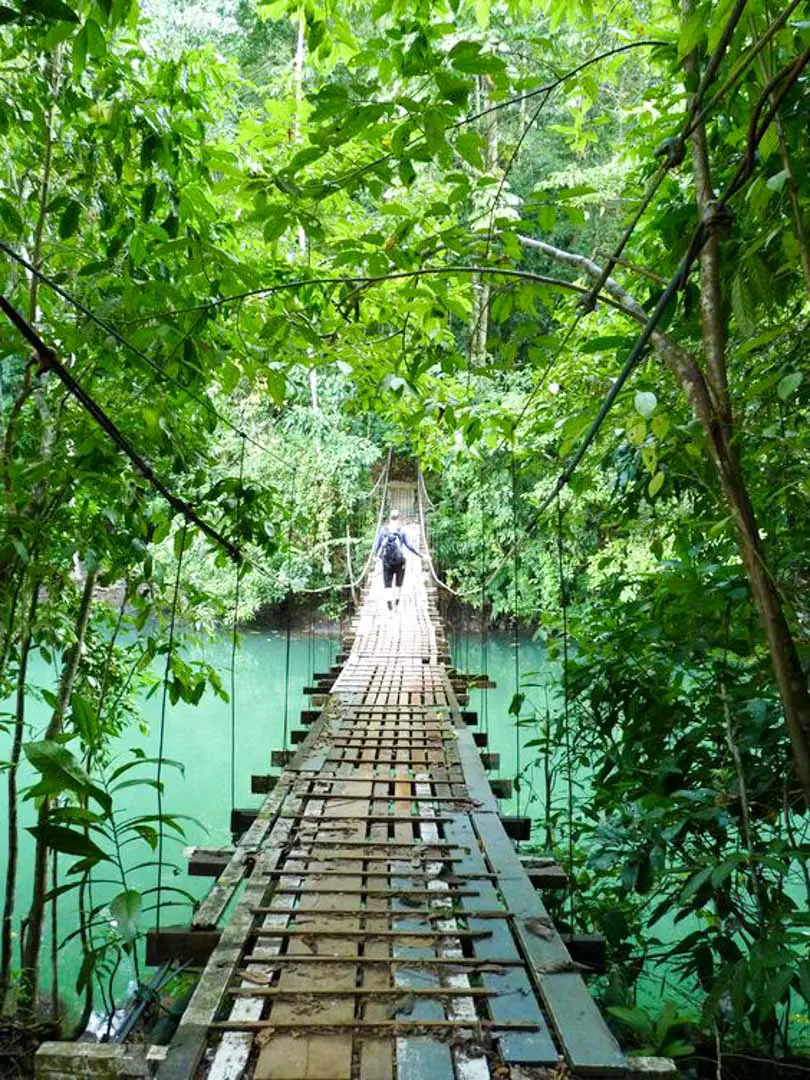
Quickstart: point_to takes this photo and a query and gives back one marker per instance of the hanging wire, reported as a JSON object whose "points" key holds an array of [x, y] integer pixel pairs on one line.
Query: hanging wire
{"points": [[484, 623], [516, 626], [239, 568], [162, 738], [288, 631], [569, 763]]}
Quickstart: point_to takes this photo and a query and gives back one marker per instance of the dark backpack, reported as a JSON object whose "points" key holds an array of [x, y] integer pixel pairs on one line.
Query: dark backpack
{"points": [[392, 550]]}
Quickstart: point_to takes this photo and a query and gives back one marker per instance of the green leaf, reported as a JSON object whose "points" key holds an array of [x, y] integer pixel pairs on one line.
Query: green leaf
{"points": [[788, 384], [126, 909], [275, 227], [8, 15], [10, 216], [58, 33], [96, 43], [50, 9], [434, 124], [69, 221], [645, 402], [466, 56], [148, 200], [80, 52], [67, 841], [777, 181], [655, 484], [635, 1018], [469, 145]]}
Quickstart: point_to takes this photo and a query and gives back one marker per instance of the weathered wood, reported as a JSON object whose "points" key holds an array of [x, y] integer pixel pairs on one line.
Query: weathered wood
{"points": [[549, 877], [587, 949], [517, 828], [491, 762], [263, 785], [208, 862], [242, 819], [280, 758], [107, 1061], [180, 943], [501, 788]]}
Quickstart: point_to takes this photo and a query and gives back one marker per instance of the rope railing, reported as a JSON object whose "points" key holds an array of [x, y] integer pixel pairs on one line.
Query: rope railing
{"points": [[421, 499]]}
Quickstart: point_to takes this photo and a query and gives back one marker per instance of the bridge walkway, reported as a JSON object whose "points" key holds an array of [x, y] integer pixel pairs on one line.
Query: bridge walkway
{"points": [[386, 927]]}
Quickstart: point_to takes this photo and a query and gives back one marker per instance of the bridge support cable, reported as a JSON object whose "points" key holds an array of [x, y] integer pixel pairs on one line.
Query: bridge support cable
{"points": [[234, 625], [569, 755], [162, 736], [517, 701]]}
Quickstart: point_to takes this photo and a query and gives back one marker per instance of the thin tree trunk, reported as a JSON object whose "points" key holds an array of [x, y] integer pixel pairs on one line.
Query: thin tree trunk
{"points": [[790, 679], [787, 667], [299, 62], [44, 188], [791, 184], [481, 286], [12, 832], [33, 937], [712, 316]]}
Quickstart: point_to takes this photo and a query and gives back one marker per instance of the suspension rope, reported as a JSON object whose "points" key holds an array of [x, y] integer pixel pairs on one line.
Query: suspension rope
{"points": [[516, 630], [162, 737], [569, 762], [288, 630], [484, 626], [234, 624]]}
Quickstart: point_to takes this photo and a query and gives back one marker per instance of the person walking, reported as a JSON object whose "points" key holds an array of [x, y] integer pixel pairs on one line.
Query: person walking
{"points": [[390, 547]]}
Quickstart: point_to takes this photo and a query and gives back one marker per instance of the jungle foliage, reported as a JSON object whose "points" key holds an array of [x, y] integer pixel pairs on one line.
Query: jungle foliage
{"points": [[268, 242]]}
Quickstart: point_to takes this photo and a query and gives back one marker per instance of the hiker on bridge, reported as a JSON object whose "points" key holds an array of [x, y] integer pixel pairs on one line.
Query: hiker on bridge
{"points": [[390, 547]]}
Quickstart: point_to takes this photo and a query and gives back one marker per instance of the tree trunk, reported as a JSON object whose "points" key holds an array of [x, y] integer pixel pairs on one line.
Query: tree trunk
{"points": [[787, 667], [789, 676], [33, 936], [481, 287], [13, 838]]}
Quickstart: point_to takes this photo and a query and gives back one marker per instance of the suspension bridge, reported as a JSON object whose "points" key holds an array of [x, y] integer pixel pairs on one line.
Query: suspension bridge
{"points": [[374, 919]]}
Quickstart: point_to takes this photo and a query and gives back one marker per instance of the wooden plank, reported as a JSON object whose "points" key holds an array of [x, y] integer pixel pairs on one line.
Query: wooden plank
{"points": [[587, 1042], [589, 1046], [517, 999], [418, 1057], [326, 1056]]}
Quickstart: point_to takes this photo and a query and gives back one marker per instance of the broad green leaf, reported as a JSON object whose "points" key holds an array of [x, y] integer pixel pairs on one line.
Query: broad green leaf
{"points": [[788, 384], [96, 43], [10, 217], [126, 909], [68, 841], [777, 181], [69, 221], [469, 145], [8, 15], [655, 484], [80, 52], [467, 57], [51, 9], [645, 402], [434, 124], [148, 199]]}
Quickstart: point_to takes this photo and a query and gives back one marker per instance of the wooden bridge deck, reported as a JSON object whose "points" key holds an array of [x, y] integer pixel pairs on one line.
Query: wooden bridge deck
{"points": [[386, 927]]}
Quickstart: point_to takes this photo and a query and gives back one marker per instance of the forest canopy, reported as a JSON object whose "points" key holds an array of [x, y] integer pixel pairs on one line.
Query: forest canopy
{"points": [[555, 253]]}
